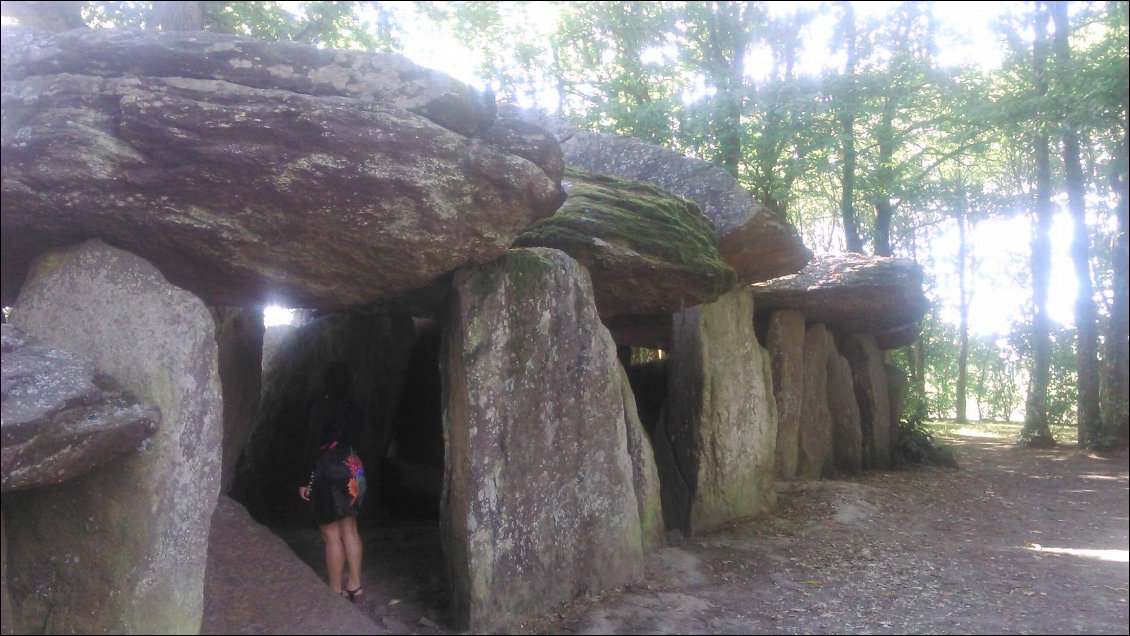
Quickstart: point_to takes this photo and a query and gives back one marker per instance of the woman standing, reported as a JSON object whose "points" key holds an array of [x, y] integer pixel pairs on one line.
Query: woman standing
{"points": [[337, 483]]}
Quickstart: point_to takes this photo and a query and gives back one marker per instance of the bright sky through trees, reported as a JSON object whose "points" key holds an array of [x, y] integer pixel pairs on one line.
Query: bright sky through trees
{"points": [[966, 37]]}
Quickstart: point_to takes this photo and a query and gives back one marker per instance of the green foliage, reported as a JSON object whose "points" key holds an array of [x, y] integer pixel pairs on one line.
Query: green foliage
{"points": [[1063, 387], [916, 444], [332, 24]]}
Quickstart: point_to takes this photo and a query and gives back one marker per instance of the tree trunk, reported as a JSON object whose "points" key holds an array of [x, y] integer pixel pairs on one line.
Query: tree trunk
{"points": [[730, 39], [884, 212], [1087, 336], [178, 16], [852, 239], [1036, 432], [963, 328], [1116, 375], [884, 175]]}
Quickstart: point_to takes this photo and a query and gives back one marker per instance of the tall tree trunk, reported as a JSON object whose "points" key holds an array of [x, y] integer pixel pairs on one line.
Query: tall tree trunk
{"points": [[728, 36], [1116, 375], [963, 328], [852, 239], [1087, 336], [1036, 432], [884, 175], [884, 212]]}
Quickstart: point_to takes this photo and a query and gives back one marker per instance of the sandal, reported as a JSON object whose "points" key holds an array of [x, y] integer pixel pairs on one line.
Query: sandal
{"points": [[352, 595]]}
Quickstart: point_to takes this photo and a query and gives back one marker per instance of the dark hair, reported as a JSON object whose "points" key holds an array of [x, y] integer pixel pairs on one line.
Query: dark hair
{"points": [[337, 379]]}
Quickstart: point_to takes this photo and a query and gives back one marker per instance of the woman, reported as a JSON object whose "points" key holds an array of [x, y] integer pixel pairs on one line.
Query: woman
{"points": [[337, 483]]}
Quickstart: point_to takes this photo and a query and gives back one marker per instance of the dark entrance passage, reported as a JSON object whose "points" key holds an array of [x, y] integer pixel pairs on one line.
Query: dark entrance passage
{"points": [[395, 363]]}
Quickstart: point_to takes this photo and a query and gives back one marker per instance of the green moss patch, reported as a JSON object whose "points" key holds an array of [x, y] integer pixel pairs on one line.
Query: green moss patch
{"points": [[606, 218]]}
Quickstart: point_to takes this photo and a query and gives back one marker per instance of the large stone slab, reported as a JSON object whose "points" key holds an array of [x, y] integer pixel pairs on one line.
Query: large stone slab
{"points": [[869, 379], [649, 252], [847, 432], [758, 244], [814, 435], [385, 78], [247, 178], [122, 548], [239, 342], [257, 585], [715, 443], [61, 418], [785, 341], [539, 503], [853, 293]]}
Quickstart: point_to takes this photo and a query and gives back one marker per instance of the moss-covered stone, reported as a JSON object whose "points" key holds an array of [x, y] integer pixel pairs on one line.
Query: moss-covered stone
{"points": [[648, 251]]}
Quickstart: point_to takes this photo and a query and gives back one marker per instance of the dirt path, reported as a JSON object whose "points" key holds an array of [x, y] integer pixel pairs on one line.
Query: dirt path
{"points": [[1013, 542]]}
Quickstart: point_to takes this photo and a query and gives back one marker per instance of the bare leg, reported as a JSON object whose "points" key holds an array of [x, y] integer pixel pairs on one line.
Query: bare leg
{"points": [[353, 550], [335, 553]]}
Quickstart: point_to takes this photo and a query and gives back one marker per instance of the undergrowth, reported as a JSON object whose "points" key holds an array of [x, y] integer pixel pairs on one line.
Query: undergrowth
{"points": [[917, 445]]}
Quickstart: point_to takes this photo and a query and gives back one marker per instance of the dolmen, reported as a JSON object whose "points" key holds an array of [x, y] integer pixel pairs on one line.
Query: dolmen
{"points": [[838, 401], [486, 275]]}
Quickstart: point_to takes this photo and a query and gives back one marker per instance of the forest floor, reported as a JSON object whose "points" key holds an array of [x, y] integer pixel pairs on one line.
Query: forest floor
{"points": [[1013, 541]]}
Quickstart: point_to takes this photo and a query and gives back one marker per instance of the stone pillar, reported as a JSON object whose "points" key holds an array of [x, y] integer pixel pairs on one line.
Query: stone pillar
{"points": [[897, 388], [720, 428], [122, 549], [539, 504], [847, 436], [814, 438], [239, 341], [785, 341], [645, 476], [870, 382]]}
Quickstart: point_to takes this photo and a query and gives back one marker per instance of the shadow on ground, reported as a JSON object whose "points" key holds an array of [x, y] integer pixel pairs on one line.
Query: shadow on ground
{"points": [[1015, 541]]}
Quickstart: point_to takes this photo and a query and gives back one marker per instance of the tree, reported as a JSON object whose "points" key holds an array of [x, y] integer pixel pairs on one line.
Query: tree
{"points": [[1107, 75], [717, 37], [1036, 432], [1086, 332], [960, 212], [848, 39], [333, 24]]}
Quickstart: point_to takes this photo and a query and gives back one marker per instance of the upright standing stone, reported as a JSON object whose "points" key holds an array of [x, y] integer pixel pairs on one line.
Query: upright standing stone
{"points": [[786, 346], [870, 383], [720, 426], [645, 476], [239, 339], [123, 548], [897, 389], [539, 503], [847, 437], [814, 438]]}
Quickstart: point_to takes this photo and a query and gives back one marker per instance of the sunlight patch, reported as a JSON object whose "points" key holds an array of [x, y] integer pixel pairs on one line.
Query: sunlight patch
{"points": [[1101, 477], [275, 315], [970, 432], [1117, 556]]}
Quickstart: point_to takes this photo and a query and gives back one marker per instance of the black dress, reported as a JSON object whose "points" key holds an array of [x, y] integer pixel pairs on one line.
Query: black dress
{"points": [[337, 483]]}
